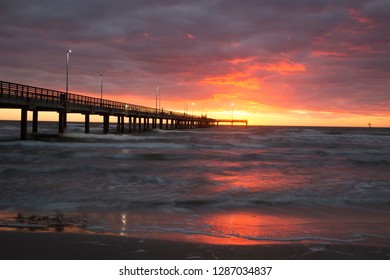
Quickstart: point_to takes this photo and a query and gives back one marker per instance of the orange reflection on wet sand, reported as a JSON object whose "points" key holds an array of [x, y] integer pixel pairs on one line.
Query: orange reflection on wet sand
{"points": [[251, 181], [246, 227], [221, 227], [261, 225]]}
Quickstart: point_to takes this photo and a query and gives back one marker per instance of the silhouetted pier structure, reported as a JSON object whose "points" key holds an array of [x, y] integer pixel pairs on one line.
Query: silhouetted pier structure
{"points": [[36, 99], [231, 121]]}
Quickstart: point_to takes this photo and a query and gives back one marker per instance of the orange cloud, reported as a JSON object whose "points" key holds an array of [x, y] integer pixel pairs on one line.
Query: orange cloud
{"points": [[190, 36], [241, 60], [237, 79], [329, 53], [246, 78], [284, 67]]}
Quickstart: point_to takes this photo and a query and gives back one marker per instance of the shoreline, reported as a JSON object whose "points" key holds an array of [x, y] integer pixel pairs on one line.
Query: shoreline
{"points": [[22, 245]]}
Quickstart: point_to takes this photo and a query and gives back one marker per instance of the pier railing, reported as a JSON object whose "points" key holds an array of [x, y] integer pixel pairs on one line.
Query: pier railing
{"points": [[35, 99], [60, 98]]}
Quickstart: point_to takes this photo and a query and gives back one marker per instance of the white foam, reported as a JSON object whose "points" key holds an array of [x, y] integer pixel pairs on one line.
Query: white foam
{"points": [[298, 238]]}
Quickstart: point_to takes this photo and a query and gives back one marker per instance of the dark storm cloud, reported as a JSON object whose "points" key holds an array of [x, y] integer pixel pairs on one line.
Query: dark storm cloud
{"points": [[343, 46]]}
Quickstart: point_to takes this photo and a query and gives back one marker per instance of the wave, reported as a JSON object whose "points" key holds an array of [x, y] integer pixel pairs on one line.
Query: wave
{"points": [[299, 238], [44, 200], [202, 168], [211, 231]]}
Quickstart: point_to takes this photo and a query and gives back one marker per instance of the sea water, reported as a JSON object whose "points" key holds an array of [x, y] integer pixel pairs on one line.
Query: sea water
{"points": [[226, 185]]}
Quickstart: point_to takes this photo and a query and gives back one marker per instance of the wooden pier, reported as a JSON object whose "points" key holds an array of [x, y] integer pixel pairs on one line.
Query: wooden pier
{"points": [[36, 99]]}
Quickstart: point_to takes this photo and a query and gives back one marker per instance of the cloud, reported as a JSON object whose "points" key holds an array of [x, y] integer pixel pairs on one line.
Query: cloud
{"points": [[297, 55]]}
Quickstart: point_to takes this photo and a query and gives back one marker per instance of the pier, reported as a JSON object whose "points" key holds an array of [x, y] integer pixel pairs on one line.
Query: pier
{"points": [[36, 99]]}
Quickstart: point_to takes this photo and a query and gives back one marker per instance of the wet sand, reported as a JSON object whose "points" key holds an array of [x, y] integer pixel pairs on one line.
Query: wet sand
{"points": [[23, 245]]}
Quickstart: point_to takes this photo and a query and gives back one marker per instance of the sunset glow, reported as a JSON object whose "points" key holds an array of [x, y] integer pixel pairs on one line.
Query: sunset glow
{"points": [[280, 62]]}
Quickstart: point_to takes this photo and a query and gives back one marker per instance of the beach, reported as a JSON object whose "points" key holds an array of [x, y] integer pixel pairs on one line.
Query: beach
{"points": [[75, 246]]}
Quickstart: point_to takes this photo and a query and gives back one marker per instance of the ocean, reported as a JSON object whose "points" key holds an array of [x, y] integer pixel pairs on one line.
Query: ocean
{"points": [[226, 185]]}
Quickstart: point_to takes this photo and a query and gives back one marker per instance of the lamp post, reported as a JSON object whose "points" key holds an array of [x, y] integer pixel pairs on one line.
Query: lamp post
{"points": [[232, 113], [67, 71], [157, 88], [101, 90], [101, 87], [65, 99], [159, 101], [155, 119], [193, 108], [186, 108]]}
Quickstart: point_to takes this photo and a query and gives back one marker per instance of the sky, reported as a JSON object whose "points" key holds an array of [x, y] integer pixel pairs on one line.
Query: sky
{"points": [[273, 62]]}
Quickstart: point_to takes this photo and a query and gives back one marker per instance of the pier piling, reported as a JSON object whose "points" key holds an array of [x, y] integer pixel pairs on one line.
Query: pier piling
{"points": [[35, 121], [106, 123], [23, 124], [61, 121], [87, 123]]}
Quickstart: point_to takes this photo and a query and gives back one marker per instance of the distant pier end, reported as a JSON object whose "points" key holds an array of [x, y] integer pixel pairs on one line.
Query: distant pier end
{"points": [[232, 121]]}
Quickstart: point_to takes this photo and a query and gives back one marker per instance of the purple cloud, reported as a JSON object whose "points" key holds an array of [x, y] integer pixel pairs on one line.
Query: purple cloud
{"points": [[341, 49]]}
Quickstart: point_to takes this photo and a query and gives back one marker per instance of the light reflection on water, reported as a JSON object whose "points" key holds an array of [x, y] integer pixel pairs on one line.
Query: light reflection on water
{"points": [[124, 221], [256, 226]]}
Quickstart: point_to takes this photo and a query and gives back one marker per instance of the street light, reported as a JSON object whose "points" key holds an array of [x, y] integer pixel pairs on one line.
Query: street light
{"points": [[186, 108], [67, 72], [159, 101], [157, 88], [232, 114], [101, 87], [193, 108]]}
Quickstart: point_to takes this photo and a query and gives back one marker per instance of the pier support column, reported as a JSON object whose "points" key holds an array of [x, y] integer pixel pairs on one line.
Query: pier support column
{"points": [[118, 124], [106, 123], [154, 122], [86, 123], [135, 124], [65, 120], [23, 124], [130, 125], [161, 123], [139, 124], [145, 124], [35, 121], [61, 121], [122, 126]]}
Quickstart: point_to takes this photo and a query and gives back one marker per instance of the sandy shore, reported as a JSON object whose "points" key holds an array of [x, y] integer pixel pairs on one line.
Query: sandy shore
{"points": [[22, 245]]}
